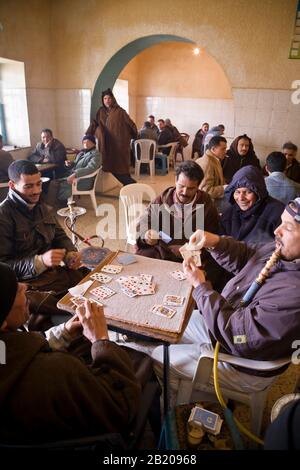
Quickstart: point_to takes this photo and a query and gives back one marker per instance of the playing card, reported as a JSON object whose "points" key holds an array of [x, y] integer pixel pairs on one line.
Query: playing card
{"points": [[78, 301], [102, 292], [145, 290], [146, 277], [209, 420], [179, 275], [187, 253], [129, 292], [126, 259], [164, 237], [100, 277], [112, 269], [163, 311], [174, 300]]}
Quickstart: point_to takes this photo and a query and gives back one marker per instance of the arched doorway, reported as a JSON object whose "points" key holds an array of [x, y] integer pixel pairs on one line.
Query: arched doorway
{"points": [[115, 65]]}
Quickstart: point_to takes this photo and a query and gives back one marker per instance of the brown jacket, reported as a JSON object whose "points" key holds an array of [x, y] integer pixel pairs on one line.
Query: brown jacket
{"points": [[114, 129], [213, 180], [48, 395], [160, 211]]}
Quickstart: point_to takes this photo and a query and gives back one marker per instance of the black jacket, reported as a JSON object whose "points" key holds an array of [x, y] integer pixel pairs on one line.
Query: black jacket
{"points": [[25, 233]]}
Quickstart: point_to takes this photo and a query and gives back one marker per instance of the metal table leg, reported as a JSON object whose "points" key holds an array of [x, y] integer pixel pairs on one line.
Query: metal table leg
{"points": [[166, 378]]}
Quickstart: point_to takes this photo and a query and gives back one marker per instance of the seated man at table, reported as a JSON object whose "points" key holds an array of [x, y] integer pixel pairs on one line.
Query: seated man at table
{"points": [[170, 219], [34, 244], [49, 392], [49, 150], [262, 328], [87, 161]]}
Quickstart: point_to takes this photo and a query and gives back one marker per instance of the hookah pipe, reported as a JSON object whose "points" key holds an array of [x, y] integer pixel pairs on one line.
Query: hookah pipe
{"points": [[232, 422], [70, 224]]}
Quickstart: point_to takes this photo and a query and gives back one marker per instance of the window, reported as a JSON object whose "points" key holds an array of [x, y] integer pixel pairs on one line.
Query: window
{"points": [[13, 104]]}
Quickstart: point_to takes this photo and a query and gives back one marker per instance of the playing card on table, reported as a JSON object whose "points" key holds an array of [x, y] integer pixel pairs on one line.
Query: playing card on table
{"points": [[129, 292], [145, 289], [126, 259], [100, 277], [174, 300], [102, 292], [179, 275], [147, 277], [112, 269], [163, 311]]}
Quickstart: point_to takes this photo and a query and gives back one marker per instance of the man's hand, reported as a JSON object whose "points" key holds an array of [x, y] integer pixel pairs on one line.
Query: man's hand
{"points": [[151, 237], [53, 257], [73, 326], [68, 163], [201, 239], [71, 178], [93, 321], [194, 275], [73, 259]]}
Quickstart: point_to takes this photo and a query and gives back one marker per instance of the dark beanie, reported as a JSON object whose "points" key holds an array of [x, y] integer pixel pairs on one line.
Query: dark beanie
{"points": [[89, 137], [8, 290]]}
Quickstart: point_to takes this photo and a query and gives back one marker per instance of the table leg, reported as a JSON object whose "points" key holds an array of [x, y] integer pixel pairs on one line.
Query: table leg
{"points": [[166, 378]]}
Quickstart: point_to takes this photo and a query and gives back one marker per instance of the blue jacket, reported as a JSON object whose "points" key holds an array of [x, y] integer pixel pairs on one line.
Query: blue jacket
{"points": [[281, 187], [258, 223]]}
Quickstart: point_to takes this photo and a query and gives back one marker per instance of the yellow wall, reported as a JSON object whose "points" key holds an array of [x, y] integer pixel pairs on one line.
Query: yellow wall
{"points": [[171, 69], [26, 37], [71, 40]]}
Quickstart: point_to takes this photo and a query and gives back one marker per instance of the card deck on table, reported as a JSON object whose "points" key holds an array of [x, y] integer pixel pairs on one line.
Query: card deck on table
{"points": [[173, 300], [179, 275], [112, 269], [102, 292], [163, 311], [126, 259], [100, 277]]}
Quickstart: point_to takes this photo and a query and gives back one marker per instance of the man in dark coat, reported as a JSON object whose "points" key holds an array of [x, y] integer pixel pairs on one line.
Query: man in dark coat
{"points": [[50, 150], [241, 153], [253, 215], [177, 212], [114, 130], [33, 244], [197, 147], [292, 170], [49, 394]]}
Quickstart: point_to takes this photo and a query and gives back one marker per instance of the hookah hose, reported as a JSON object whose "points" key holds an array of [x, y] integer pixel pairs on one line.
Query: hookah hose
{"points": [[86, 240], [232, 422]]}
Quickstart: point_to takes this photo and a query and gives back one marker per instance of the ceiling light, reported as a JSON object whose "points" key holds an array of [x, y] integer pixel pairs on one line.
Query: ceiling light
{"points": [[196, 51]]}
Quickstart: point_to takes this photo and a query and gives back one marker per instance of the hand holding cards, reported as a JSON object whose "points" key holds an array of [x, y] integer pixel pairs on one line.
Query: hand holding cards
{"points": [[189, 253]]}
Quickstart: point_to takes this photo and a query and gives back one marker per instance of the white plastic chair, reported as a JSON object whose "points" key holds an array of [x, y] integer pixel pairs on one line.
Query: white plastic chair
{"points": [[132, 197], [144, 151], [199, 387], [172, 154], [89, 192]]}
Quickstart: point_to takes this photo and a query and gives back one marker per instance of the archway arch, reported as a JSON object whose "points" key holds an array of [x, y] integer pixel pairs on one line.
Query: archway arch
{"points": [[115, 65]]}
